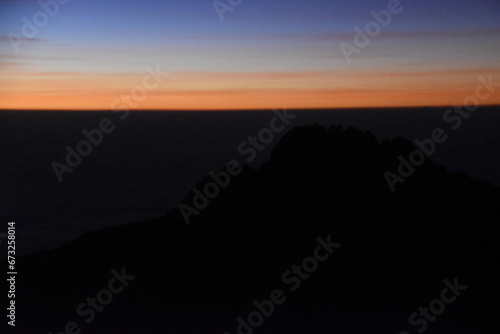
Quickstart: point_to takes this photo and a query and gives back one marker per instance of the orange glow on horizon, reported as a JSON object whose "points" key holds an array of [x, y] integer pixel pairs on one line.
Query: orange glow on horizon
{"points": [[234, 91]]}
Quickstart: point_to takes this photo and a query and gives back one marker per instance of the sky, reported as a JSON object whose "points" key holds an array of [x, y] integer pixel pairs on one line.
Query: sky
{"points": [[251, 54]]}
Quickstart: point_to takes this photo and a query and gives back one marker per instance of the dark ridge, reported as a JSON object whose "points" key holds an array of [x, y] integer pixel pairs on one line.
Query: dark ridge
{"points": [[396, 250]]}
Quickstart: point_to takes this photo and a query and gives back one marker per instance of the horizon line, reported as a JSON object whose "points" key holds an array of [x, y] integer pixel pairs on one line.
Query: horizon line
{"points": [[255, 109]]}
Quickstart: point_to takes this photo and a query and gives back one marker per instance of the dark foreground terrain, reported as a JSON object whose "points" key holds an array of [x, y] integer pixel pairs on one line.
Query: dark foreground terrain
{"points": [[396, 252]]}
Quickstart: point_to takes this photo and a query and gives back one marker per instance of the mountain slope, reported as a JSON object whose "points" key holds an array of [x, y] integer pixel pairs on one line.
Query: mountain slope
{"points": [[396, 250]]}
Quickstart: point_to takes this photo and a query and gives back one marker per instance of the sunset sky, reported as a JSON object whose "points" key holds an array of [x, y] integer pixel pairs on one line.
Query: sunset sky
{"points": [[264, 54]]}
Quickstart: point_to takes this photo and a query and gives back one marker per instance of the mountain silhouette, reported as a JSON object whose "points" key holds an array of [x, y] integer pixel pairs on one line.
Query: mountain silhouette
{"points": [[396, 249]]}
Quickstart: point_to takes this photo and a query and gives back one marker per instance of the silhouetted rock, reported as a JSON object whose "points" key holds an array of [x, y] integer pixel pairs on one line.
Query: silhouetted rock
{"points": [[396, 250]]}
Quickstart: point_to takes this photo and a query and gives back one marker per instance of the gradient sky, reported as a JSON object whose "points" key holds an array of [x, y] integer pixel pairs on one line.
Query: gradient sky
{"points": [[263, 55]]}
